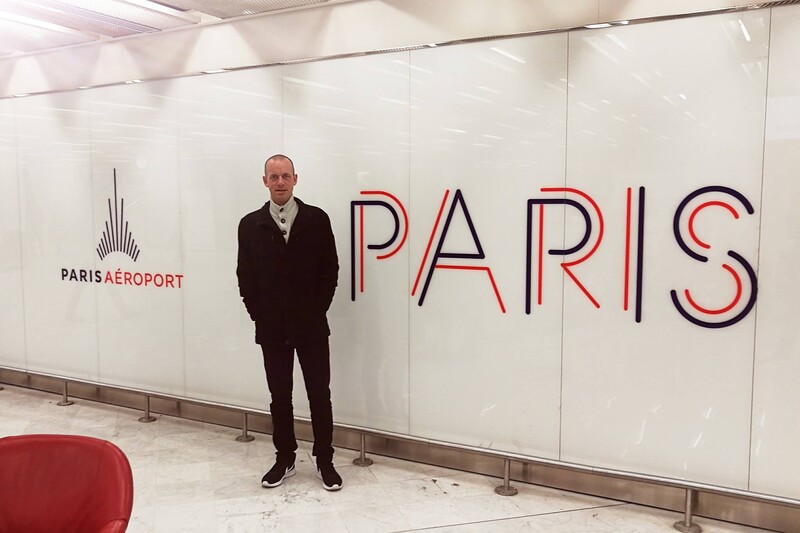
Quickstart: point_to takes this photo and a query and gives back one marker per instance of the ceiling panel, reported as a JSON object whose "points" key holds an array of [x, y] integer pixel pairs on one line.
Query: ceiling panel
{"points": [[238, 8], [16, 35], [76, 18], [151, 14], [32, 25]]}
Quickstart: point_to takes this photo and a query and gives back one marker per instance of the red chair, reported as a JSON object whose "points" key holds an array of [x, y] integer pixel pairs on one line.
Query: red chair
{"points": [[64, 484]]}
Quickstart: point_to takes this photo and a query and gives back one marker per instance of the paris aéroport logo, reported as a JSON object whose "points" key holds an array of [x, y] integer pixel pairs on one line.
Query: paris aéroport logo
{"points": [[117, 237]]}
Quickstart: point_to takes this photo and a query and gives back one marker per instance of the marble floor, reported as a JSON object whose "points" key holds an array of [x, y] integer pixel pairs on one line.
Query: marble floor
{"points": [[192, 476]]}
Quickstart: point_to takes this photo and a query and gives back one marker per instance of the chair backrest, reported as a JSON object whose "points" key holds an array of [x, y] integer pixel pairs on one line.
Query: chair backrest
{"points": [[63, 483]]}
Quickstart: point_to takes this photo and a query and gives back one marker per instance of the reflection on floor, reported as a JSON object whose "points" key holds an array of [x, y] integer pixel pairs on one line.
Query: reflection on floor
{"points": [[191, 476]]}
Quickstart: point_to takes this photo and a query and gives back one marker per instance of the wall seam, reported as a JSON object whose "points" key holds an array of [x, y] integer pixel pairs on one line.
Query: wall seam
{"points": [[95, 287], [410, 269], [758, 258], [564, 239], [21, 249]]}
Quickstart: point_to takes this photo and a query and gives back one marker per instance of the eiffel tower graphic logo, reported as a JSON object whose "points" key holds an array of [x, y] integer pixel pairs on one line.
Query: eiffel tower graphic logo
{"points": [[117, 237]]}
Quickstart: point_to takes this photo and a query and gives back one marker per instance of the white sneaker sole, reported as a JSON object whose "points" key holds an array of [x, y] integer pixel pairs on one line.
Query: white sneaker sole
{"points": [[289, 473], [332, 488]]}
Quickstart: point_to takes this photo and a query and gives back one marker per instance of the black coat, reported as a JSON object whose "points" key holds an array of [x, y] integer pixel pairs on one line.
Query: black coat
{"points": [[287, 288]]}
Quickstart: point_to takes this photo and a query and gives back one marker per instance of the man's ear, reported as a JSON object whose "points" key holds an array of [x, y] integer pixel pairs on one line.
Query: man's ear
{"points": [[264, 179]]}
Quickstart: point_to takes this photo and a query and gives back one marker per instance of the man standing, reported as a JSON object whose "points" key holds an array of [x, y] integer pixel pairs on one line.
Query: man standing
{"points": [[288, 272]]}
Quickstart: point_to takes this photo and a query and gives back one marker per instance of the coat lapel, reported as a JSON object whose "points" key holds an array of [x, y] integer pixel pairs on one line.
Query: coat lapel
{"points": [[264, 218], [302, 220]]}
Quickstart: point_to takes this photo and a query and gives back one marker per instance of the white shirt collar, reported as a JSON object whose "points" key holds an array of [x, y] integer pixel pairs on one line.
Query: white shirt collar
{"points": [[289, 207]]}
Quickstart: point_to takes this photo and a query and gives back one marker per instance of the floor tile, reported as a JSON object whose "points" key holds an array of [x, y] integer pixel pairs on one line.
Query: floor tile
{"points": [[193, 476]]}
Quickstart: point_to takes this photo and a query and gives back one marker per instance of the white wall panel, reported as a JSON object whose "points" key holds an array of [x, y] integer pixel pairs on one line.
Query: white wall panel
{"points": [[346, 126], [228, 125], [664, 395], [776, 437], [12, 326], [487, 120], [54, 154], [140, 326]]}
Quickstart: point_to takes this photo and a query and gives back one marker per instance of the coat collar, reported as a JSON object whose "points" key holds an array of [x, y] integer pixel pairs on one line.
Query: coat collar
{"points": [[301, 220]]}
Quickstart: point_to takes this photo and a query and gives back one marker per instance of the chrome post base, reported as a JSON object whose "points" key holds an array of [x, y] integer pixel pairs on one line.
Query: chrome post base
{"points": [[362, 459], [65, 398], [684, 528], [506, 489], [686, 525], [147, 418], [244, 437]]}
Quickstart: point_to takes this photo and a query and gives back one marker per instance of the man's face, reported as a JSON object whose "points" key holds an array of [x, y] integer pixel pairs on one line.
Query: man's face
{"points": [[280, 179]]}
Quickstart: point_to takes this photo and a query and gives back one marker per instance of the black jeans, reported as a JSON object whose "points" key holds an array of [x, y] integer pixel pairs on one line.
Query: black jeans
{"points": [[314, 360]]}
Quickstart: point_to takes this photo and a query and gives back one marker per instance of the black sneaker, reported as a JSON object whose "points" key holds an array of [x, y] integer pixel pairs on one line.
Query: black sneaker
{"points": [[279, 471], [331, 480]]}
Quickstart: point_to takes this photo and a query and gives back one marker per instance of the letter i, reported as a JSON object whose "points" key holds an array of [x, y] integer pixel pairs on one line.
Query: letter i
{"points": [[639, 267]]}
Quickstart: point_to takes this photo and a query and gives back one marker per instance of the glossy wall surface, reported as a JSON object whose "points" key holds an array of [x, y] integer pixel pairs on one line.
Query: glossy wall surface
{"points": [[576, 246]]}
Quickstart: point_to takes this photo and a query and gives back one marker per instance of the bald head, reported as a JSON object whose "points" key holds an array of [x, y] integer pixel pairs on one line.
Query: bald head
{"points": [[279, 178], [278, 157]]}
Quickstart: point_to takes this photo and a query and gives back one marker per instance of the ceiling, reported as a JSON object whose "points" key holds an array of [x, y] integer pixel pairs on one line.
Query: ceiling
{"points": [[28, 26]]}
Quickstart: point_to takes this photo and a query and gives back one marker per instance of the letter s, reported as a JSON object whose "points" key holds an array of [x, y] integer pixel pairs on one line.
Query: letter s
{"points": [[679, 227]]}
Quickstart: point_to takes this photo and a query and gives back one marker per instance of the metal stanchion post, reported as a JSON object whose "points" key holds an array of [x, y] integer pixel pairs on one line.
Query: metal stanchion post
{"points": [[686, 526], [506, 489], [362, 459], [65, 399], [147, 418], [244, 437]]}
